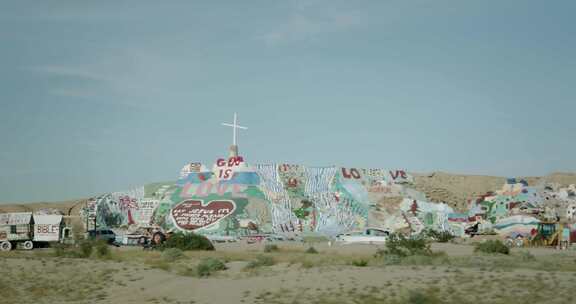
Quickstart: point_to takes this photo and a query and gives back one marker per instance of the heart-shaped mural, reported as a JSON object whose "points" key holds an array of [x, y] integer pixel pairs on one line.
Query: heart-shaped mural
{"points": [[192, 214]]}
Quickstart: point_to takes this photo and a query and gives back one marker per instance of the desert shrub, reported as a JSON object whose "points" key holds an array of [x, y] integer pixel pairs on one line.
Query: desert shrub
{"points": [[401, 246], [102, 249], [64, 251], [422, 297], [187, 241], [59, 249], [439, 236], [307, 264], [311, 250], [271, 248], [260, 261], [86, 249], [492, 246], [389, 259], [208, 266], [172, 254], [360, 263]]}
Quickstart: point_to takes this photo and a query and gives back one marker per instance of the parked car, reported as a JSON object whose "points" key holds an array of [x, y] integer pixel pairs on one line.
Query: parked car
{"points": [[222, 238], [275, 237], [253, 238], [366, 236], [102, 234]]}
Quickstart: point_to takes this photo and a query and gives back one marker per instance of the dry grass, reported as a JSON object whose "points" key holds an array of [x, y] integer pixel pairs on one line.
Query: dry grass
{"points": [[31, 281], [40, 277], [458, 288]]}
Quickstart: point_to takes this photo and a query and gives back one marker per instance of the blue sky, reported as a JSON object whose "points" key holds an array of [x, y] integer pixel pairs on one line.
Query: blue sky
{"points": [[98, 96]]}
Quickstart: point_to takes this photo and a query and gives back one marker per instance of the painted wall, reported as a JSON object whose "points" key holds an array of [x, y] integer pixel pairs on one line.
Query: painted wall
{"points": [[235, 198]]}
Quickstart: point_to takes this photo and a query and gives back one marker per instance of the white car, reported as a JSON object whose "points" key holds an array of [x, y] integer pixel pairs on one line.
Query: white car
{"points": [[222, 238], [366, 236]]}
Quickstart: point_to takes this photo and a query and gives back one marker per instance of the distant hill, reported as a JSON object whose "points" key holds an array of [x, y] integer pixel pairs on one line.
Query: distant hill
{"points": [[66, 207], [456, 189]]}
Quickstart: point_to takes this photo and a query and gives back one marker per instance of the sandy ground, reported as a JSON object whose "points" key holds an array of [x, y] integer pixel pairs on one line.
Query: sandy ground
{"points": [[329, 277]]}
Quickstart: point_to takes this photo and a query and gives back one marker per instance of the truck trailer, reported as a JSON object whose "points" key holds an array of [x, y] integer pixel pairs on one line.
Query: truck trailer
{"points": [[25, 230]]}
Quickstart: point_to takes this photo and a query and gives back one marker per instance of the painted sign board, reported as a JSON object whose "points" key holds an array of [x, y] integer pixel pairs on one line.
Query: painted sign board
{"points": [[47, 228], [194, 214]]}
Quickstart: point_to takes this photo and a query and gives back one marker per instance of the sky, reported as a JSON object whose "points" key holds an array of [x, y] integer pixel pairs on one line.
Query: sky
{"points": [[100, 96]]}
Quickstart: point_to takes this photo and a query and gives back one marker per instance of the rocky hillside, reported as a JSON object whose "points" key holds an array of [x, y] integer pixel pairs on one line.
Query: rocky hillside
{"points": [[456, 189]]}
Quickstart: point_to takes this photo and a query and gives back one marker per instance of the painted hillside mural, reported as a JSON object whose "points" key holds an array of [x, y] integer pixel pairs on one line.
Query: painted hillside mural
{"points": [[234, 198]]}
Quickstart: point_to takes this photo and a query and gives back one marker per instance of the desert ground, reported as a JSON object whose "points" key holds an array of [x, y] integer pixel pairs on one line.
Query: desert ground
{"points": [[291, 274]]}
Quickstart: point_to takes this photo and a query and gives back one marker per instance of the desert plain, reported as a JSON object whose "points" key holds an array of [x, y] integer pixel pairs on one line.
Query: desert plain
{"points": [[291, 273]]}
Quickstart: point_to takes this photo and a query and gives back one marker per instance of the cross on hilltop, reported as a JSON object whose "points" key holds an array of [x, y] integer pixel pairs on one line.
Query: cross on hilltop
{"points": [[235, 127]]}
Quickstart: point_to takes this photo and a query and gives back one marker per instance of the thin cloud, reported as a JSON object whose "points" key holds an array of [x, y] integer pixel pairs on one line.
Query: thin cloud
{"points": [[80, 81], [308, 20], [300, 27], [67, 71]]}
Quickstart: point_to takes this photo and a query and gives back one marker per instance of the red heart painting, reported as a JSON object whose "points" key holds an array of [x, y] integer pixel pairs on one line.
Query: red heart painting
{"points": [[192, 214]]}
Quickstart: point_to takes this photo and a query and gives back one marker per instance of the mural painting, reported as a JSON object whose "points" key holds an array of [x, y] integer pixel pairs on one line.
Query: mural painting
{"points": [[233, 198]]}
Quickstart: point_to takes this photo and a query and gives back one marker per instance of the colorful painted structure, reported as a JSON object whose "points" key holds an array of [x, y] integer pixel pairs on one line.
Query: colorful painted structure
{"points": [[517, 210], [233, 198]]}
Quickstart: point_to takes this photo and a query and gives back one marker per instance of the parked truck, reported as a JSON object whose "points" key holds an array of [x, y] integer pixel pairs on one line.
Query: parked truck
{"points": [[25, 230]]}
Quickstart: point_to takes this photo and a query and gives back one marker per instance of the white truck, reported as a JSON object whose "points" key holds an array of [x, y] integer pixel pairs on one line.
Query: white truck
{"points": [[23, 229]]}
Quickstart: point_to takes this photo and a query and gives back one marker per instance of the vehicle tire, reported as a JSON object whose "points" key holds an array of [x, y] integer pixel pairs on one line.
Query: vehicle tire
{"points": [[5, 246], [28, 245], [158, 238], [142, 241]]}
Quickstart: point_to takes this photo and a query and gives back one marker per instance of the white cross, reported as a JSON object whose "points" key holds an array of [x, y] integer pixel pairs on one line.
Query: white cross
{"points": [[235, 128]]}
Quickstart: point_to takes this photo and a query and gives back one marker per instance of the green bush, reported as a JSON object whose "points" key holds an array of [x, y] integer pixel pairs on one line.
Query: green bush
{"points": [[360, 263], [401, 246], [172, 254], [64, 251], [307, 264], [311, 250], [86, 249], [422, 297], [492, 246], [102, 249], [271, 248], [260, 261], [187, 242], [438, 236], [208, 266]]}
